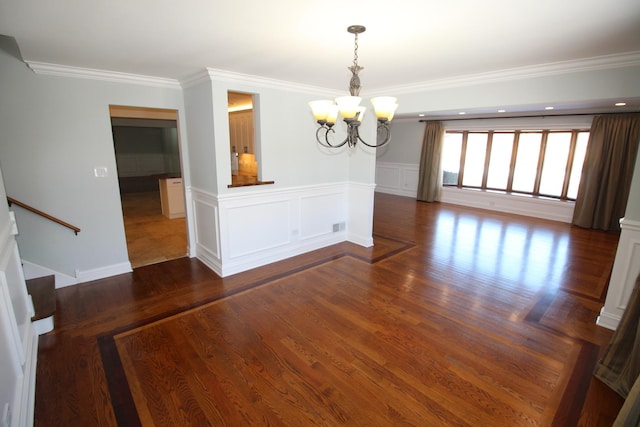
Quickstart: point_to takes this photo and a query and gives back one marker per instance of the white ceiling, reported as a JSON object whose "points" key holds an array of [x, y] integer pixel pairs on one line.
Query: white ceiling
{"points": [[407, 41]]}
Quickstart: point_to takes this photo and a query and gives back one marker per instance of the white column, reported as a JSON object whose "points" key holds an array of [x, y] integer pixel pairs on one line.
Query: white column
{"points": [[626, 268]]}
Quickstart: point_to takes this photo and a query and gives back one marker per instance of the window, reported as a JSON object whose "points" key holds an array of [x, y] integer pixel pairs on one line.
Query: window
{"points": [[542, 162]]}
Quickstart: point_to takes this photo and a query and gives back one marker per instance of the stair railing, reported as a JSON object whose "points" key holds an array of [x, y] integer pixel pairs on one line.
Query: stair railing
{"points": [[13, 201]]}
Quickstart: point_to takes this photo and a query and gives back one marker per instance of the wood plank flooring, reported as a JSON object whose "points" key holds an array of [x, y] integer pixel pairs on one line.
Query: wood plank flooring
{"points": [[455, 317], [151, 237]]}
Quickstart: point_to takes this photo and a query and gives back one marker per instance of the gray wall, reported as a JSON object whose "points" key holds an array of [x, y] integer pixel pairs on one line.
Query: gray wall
{"points": [[55, 131], [405, 145]]}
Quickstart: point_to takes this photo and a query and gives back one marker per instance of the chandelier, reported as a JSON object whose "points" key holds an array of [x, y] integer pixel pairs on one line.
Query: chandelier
{"points": [[326, 112]]}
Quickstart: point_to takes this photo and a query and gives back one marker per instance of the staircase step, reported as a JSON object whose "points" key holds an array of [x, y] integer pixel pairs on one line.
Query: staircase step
{"points": [[43, 294]]}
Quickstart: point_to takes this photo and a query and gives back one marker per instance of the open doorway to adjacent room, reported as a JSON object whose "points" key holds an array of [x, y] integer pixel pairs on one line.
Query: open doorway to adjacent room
{"points": [[151, 188]]}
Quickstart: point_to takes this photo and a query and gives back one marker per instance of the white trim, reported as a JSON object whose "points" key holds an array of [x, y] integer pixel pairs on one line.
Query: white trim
{"points": [[212, 74], [289, 237], [604, 62], [102, 272], [608, 320], [563, 123], [555, 210], [397, 178], [44, 68], [207, 74], [624, 273], [45, 325], [31, 271]]}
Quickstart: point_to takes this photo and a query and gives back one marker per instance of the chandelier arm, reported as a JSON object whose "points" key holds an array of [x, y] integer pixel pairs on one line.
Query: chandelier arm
{"points": [[326, 142], [387, 137]]}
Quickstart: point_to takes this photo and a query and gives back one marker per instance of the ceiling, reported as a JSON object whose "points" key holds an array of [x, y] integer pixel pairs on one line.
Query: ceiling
{"points": [[406, 42]]}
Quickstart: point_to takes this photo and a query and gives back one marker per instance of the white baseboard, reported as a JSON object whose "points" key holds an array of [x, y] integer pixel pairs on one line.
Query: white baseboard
{"points": [[102, 272], [608, 320], [43, 326], [32, 270]]}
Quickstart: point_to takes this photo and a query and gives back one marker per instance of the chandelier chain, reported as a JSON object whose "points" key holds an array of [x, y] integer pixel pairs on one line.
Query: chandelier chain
{"points": [[355, 52]]}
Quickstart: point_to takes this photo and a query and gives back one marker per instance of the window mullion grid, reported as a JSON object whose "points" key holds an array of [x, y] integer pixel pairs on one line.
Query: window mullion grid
{"points": [[567, 170], [487, 159], [543, 148], [463, 156], [514, 156]]}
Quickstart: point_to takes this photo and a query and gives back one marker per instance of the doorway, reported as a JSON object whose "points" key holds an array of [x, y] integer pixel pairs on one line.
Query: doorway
{"points": [[147, 153]]}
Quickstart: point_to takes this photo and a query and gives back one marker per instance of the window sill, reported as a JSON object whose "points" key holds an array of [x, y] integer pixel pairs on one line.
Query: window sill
{"points": [[509, 193]]}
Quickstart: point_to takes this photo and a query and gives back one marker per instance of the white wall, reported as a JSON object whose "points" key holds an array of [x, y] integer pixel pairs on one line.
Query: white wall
{"points": [[56, 130]]}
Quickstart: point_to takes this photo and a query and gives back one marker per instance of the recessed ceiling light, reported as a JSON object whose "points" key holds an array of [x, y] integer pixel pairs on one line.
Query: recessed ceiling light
{"points": [[548, 108], [420, 115], [501, 111], [620, 104], [462, 112]]}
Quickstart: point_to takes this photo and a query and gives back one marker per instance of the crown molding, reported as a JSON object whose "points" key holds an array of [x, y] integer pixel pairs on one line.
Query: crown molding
{"points": [[212, 74], [606, 62], [44, 68], [628, 59]]}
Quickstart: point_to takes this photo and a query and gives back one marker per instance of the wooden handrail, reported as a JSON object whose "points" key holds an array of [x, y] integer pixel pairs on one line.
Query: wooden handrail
{"points": [[42, 214]]}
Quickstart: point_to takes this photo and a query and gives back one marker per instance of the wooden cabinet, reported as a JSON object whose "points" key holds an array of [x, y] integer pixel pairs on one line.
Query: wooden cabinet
{"points": [[172, 197]]}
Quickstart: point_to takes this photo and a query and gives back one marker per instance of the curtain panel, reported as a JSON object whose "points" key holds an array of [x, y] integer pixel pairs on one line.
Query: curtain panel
{"points": [[430, 175], [607, 171]]}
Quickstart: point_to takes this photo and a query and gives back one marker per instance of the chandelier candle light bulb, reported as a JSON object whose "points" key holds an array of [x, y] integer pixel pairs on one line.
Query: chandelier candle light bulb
{"points": [[326, 112]]}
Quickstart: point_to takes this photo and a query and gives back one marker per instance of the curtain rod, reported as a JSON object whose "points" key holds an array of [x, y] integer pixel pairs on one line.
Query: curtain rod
{"points": [[526, 116]]}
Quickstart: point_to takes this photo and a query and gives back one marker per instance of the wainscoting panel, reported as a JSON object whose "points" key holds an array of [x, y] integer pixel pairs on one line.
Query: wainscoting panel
{"points": [[257, 228], [329, 207], [397, 178], [206, 226], [626, 268]]}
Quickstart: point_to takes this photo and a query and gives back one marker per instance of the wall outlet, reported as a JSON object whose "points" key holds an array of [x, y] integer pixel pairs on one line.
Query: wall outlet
{"points": [[336, 227]]}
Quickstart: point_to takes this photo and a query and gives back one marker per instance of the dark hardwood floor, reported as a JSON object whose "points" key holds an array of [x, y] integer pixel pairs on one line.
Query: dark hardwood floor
{"points": [[455, 317]]}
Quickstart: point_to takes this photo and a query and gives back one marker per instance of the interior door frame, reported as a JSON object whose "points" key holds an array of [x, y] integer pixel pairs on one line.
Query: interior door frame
{"points": [[134, 112]]}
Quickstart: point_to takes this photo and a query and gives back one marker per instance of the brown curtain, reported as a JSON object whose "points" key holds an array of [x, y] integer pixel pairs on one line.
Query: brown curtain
{"points": [[620, 366], [607, 171], [430, 176]]}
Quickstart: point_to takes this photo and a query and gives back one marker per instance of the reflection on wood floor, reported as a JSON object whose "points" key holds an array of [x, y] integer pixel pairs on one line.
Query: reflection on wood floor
{"points": [[151, 237], [456, 317]]}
